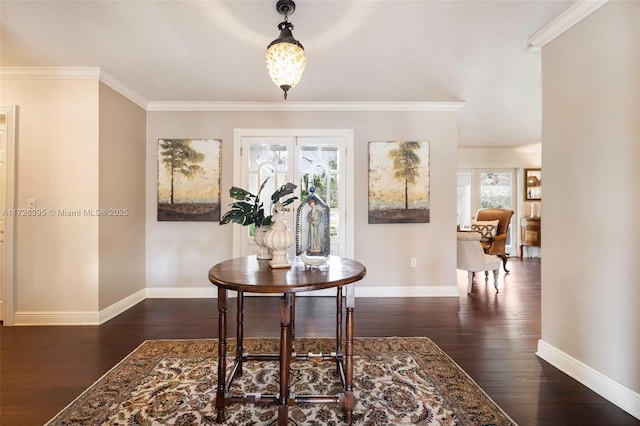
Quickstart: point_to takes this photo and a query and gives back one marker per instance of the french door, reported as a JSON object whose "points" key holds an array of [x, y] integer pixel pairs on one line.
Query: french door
{"points": [[483, 189], [307, 158]]}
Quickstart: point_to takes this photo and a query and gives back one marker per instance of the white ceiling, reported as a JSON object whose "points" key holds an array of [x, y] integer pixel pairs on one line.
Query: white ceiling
{"points": [[357, 50]]}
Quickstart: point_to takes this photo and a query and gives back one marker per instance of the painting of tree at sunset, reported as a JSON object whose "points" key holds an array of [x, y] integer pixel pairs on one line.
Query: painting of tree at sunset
{"points": [[399, 182], [189, 179]]}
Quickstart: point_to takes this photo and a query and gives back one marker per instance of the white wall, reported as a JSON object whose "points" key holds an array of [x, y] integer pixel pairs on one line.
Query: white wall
{"points": [[517, 157], [179, 254], [76, 153], [122, 196], [591, 139], [56, 257]]}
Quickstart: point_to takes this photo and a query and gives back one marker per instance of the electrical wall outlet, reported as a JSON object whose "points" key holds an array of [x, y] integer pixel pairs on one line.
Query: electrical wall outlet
{"points": [[414, 262]]}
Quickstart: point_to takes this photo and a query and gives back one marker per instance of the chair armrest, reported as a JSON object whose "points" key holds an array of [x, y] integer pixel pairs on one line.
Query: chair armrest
{"points": [[468, 236]]}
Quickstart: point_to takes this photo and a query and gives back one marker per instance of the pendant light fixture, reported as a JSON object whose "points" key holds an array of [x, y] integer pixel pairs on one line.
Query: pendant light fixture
{"points": [[285, 55]]}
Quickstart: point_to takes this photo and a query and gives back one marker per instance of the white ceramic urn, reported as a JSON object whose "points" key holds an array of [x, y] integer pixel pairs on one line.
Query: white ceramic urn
{"points": [[258, 238], [279, 239]]}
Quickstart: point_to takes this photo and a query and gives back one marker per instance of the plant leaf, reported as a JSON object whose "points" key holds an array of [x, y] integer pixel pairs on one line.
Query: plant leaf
{"points": [[240, 194], [262, 186], [285, 189]]}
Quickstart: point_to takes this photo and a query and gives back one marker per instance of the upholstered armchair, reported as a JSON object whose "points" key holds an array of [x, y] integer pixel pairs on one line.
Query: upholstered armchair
{"points": [[472, 258], [493, 224]]}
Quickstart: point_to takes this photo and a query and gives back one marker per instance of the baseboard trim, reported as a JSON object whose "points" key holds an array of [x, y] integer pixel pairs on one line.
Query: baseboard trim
{"points": [[402, 291], [27, 318], [408, 291], [212, 292], [609, 389], [182, 292], [56, 318], [121, 306], [100, 317]]}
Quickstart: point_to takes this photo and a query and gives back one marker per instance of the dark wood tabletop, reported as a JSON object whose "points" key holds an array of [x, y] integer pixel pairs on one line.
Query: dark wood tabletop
{"points": [[248, 274]]}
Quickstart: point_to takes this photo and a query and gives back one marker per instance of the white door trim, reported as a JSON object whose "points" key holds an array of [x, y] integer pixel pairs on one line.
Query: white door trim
{"points": [[8, 309]]}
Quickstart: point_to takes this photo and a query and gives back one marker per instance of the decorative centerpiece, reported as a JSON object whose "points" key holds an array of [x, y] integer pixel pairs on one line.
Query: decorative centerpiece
{"points": [[249, 209], [258, 238], [313, 242], [279, 238]]}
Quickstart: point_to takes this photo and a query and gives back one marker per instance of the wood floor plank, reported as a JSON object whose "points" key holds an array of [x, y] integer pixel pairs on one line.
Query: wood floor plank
{"points": [[493, 337]]}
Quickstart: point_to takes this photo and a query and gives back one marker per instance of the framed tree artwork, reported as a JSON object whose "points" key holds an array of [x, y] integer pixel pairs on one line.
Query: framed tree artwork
{"points": [[189, 179], [399, 182]]}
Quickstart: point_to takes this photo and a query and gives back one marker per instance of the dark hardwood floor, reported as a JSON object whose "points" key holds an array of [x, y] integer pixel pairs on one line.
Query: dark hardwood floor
{"points": [[493, 337]]}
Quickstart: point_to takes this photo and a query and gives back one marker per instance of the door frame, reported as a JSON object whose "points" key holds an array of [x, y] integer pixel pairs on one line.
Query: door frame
{"points": [[348, 136], [8, 294]]}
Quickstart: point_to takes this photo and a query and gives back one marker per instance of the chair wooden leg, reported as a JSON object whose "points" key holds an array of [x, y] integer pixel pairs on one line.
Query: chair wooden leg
{"points": [[495, 279], [504, 262], [470, 274]]}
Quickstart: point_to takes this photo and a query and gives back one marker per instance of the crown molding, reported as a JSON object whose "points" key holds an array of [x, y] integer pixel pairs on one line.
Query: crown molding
{"points": [[135, 97], [562, 23], [95, 73], [49, 73], [304, 106], [534, 148], [72, 73]]}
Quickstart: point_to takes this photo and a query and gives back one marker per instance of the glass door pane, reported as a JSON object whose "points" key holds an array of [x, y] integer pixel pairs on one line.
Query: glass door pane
{"points": [[497, 192], [319, 164], [267, 161], [264, 157]]}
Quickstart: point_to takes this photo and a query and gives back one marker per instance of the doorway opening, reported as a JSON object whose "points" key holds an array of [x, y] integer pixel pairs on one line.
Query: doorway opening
{"points": [[483, 189]]}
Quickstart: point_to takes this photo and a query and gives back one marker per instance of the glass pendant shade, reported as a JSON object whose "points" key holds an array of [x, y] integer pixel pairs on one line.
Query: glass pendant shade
{"points": [[285, 59]]}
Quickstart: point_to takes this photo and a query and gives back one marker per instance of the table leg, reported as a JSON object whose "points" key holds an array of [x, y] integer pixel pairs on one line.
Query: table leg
{"points": [[222, 352], [339, 321], [293, 322], [285, 357], [240, 332], [348, 394]]}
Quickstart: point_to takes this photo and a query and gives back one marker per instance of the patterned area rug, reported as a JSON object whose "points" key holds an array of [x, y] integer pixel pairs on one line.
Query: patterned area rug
{"points": [[396, 381]]}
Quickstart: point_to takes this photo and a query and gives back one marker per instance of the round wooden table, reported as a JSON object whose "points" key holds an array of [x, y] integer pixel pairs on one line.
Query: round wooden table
{"points": [[250, 275]]}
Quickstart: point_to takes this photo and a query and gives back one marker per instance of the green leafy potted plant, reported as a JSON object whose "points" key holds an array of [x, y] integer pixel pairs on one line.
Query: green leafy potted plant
{"points": [[248, 209]]}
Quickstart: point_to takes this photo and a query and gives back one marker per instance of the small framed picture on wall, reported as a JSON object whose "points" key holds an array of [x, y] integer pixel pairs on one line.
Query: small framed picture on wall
{"points": [[532, 184]]}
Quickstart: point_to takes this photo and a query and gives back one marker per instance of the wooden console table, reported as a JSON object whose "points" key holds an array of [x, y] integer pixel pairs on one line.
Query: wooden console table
{"points": [[248, 274], [530, 233]]}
